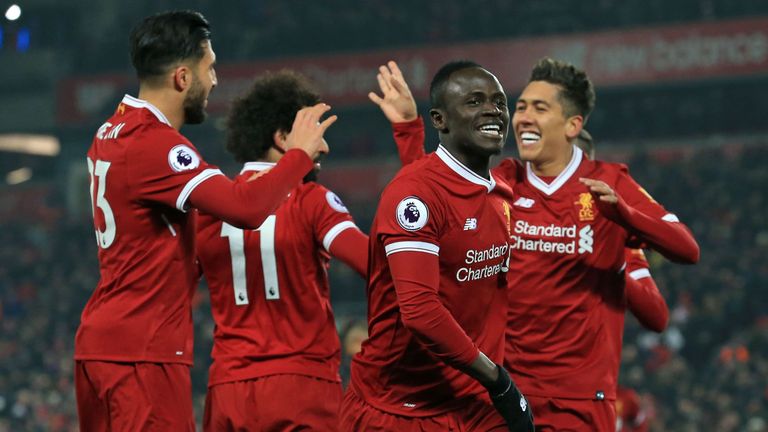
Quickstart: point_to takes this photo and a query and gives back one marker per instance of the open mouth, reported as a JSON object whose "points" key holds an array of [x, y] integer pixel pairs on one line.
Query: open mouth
{"points": [[491, 130], [529, 138]]}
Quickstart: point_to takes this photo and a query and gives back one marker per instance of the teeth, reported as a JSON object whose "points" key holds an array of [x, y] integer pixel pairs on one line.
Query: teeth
{"points": [[490, 127], [529, 137]]}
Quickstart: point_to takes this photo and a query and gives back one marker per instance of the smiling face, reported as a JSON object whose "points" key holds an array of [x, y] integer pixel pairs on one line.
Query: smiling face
{"points": [[474, 117], [543, 130]]}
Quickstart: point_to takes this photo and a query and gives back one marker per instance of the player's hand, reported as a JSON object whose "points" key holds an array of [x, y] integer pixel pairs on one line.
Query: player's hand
{"points": [[601, 190], [307, 130], [510, 403], [396, 102]]}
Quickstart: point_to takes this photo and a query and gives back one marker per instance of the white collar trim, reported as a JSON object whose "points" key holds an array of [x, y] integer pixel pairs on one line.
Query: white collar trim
{"points": [[560, 180], [462, 170], [138, 103], [257, 166]]}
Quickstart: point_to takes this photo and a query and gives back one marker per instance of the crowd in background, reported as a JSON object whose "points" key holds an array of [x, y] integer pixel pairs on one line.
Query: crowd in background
{"points": [[705, 372], [246, 30]]}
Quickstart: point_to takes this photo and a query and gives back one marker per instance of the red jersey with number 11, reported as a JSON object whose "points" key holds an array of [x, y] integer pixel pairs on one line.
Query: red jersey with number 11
{"points": [[269, 289]]}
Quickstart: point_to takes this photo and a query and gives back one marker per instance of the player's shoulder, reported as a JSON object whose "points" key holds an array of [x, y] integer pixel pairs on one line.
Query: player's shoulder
{"points": [[417, 169], [610, 167], [510, 170], [420, 177], [610, 172], [153, 134], [314, 192]]}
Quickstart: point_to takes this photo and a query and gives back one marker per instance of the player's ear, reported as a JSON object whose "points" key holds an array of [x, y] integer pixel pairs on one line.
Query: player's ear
{"points": [[573, 127], [182, 77], [279, 137], [437, 117]]}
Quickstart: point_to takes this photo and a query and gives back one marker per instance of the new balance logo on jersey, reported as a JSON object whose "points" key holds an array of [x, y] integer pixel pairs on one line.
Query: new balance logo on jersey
{"points": [[524, 202], [586, 239], [470, 224]]}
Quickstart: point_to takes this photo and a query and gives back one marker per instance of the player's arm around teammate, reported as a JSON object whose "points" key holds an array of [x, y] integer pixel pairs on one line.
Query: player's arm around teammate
{"points": [[133, 348]]}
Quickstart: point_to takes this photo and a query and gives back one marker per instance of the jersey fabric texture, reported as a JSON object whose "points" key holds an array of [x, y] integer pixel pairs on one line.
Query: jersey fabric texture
{"points": [[567, 266], [269, 288], [435, 208], [143, 171]]}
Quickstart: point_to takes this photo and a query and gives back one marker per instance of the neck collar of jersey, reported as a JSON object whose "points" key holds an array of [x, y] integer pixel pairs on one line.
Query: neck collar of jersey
{"points": [[460, 169], [138, 103], [560, 180], [257, 166]]}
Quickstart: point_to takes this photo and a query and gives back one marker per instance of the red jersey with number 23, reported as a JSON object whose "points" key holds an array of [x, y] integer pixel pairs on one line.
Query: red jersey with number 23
{"points": [[269, 288], [142, 173]]}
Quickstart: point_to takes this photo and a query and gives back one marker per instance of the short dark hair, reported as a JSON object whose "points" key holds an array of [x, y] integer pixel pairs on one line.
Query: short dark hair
{"points": [[163, 40], [577, 95], [270, 105], [437, 87]]}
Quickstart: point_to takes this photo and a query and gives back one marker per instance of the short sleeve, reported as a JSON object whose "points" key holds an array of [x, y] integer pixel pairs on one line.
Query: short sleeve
{"points": [[167, 168], [327, 214], [410, 217], [637, 264]]}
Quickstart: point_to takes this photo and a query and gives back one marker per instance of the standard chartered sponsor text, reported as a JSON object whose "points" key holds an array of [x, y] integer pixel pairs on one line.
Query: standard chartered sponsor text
{"points": [[559, 239], [476, 256]]}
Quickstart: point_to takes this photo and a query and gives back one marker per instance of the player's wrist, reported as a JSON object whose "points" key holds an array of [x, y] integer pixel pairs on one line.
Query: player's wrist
{"points": [[502, 385], [408, 124]]}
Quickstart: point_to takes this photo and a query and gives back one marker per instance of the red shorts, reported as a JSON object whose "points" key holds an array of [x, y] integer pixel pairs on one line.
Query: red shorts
{"points": [[573, 415], [273, 403], [133, 396], [478, 415]]}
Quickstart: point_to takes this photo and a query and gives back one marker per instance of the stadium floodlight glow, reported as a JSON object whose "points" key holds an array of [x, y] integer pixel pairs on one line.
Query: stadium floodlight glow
{"points": [[18, 176], [13, 12], [41, 145]]}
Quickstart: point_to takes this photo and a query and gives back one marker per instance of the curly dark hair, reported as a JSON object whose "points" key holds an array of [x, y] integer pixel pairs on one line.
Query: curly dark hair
{"points": [[162, 40], [269, 106], [577, 95]]}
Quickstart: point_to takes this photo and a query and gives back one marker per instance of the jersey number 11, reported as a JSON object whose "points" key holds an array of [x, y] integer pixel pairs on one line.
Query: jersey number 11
{"points": [[268, 262]]}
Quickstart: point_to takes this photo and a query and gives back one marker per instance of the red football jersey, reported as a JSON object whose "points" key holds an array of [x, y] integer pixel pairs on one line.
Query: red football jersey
{"points": [[269, 287], [644, 300], [142, 173], [566, 274], [435, 206]]}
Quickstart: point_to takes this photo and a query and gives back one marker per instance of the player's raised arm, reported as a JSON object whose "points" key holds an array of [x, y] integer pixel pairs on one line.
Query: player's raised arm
{"points": [[399, 107], [246, 205], [396, 101]]}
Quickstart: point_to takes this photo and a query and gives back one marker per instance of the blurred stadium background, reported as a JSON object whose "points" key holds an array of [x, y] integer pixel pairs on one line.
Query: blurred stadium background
{"points": [[682, 97]]}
